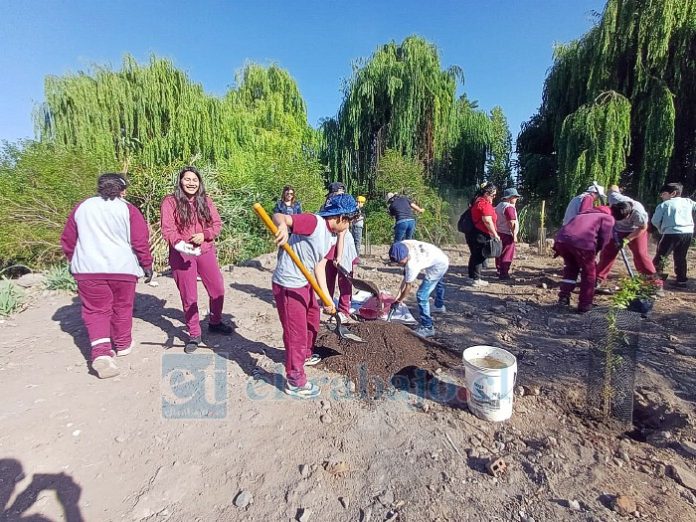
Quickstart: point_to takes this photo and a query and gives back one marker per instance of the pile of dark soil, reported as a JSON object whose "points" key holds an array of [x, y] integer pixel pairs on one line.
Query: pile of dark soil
{"points": [[392, 356]]}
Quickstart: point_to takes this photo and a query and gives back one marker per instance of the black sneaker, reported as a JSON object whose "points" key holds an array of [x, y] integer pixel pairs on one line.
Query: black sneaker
{"points": [[221, 328], [192, 345]]}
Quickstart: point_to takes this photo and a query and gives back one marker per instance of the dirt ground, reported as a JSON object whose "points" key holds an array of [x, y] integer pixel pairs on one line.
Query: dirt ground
{"points": [[211, 436]]}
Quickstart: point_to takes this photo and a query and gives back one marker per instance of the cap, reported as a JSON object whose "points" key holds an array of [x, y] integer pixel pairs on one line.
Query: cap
{"points": [[361, 199], [398, 252], [339, 205], [511, 193], [597, 188], [389, 196], [336, 186]]}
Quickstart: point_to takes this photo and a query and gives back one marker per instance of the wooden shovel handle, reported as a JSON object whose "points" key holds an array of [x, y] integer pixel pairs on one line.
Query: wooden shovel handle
{"points": [[270, 225]]}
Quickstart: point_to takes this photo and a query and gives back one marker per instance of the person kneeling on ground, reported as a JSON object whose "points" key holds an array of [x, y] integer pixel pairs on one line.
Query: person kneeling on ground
{"points": [[416, 257], [106, 241], [313, 239], [674, 218], [578, 243], [630, 229]]}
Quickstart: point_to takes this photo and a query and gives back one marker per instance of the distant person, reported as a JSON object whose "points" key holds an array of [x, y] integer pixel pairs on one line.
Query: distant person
{"points": [[347, 257], [401, 209], [507, 226], [358, 225], [484, 218], [313, 238], [335, 189], [190, 223], [584, 201], [674, 219], [417, 257], [106, 241], [631, 230], [578, 243], [287, 204]]}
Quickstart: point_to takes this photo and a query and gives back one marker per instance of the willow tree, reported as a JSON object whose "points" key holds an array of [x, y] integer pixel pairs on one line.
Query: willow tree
{"points": [[498, 166], [401, 99], [644, 50], [155, 113]]}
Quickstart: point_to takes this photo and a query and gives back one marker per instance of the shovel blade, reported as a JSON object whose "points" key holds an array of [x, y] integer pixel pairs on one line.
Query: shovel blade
{"points": [[343, 332], [367, 286]]}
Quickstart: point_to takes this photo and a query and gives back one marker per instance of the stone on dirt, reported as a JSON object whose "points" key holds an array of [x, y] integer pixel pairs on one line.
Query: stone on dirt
{"points": [[326, 419], [304, 470], [344, 502], [574, 505], [243, 499], [682, 475], [624, 505], [304, 515]]}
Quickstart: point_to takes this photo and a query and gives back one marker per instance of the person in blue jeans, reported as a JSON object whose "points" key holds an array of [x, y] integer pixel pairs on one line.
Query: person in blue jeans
{"points": [[416, 257], [401, 208]]}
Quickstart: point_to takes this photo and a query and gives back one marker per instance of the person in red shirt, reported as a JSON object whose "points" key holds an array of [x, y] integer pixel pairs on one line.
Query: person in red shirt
{"points": [[484, 218], [190, 223]]}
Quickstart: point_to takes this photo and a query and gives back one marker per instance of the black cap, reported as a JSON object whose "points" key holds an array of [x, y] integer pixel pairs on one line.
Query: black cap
{"points": [[336, 186]]}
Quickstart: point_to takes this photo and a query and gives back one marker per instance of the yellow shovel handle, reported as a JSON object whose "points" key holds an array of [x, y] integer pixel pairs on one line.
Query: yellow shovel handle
{"points": [[261, 212]]}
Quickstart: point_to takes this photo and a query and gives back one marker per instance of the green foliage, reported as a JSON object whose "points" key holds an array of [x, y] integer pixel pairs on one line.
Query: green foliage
{"points": [[11, 298], [498, 166], [406, 176], [645, 50], [632, 288], [59, 277]]}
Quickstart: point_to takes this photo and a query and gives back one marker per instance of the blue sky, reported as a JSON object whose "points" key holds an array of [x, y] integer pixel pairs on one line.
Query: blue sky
{"points": [[503, 46]]}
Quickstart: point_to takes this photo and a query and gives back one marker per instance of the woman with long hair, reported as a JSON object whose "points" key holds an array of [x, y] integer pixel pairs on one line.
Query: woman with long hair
{"points": [[288, 204], [106, 241], [484, 219], [190, 224]]}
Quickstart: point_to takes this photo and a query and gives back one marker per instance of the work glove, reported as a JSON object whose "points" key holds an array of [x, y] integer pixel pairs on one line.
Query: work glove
{"points": [[148, 275], [394, 306], [621, 243]]}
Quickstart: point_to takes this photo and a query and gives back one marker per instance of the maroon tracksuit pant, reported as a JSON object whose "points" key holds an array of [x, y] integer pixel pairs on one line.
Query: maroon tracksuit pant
{"points": [[107, 311], [639, 249], [345, 289], [185, 270], [299, 315], [577, 261], [504, 262]]}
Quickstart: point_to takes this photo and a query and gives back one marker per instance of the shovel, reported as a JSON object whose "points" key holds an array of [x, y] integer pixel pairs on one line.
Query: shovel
{"points": [[360, 284], [339, 329], [625, 260]]}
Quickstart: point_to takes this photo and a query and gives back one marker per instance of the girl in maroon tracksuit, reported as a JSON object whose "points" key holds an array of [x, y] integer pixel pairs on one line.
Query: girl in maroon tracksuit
{"points": [[106, 240], [190, 224]]}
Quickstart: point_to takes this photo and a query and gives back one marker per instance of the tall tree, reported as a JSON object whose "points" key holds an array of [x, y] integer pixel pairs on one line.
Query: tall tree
{"points": [[644, 53], [498, 165]]}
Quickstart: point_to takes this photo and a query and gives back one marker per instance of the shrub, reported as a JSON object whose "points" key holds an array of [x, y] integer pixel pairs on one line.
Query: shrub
{"points": [[59, 277], [11, 298]]}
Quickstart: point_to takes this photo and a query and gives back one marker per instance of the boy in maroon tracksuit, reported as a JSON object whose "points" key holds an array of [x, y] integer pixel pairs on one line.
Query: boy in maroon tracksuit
{"points": [[106, 240], [578, 243], [313, 238]]}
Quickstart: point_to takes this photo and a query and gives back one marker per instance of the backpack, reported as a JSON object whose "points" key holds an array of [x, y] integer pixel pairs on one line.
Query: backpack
{"points": [[466, 223]]}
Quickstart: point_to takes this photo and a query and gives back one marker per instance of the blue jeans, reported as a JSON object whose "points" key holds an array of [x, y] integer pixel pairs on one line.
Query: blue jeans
{"points": [[404, 229], [357, 232], [423, 298]]}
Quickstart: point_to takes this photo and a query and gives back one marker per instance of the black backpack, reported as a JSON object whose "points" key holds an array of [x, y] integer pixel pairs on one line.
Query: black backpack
{"points": [[466, 223]]}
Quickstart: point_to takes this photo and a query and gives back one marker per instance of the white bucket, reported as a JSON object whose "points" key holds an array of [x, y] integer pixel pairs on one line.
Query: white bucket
{"points": [[490, 390]]}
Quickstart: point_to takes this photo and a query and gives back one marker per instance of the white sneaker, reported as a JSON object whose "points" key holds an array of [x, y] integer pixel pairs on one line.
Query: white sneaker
{"points": [[425, 332], [125, 351], [313, 360], [478, 282], [308, 391], [105, 367], [438, 309]]}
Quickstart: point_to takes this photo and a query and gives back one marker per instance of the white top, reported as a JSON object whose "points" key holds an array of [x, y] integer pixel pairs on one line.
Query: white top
{"points": [[424, 257]]}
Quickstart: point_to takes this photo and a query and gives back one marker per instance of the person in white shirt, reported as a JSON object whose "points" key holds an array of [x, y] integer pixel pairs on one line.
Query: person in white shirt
{"points": [[416, 257]]}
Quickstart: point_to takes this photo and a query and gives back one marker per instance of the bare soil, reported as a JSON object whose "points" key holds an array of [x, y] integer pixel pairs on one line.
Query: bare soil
{"points": [[177, 437]]}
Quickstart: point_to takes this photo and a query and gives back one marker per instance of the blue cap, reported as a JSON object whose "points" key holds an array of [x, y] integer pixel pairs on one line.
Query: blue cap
{"points": [[398, 252], [511, 193], [339, 205]]}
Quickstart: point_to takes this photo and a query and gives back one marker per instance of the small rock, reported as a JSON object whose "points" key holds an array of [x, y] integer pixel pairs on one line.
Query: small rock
{"points": [[688, 447], [624, 505], [366, 514], [304, 470], [76, 433], [304, 515], [325, 405], [496, 467], [120, 439], [351, 387], [682, 475], [243, 499], [29, 280], [520, 391], [386, 498], [326, 419], [344, 502], [574, 505], [544, 286], [498, 309], [532, 389]]}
